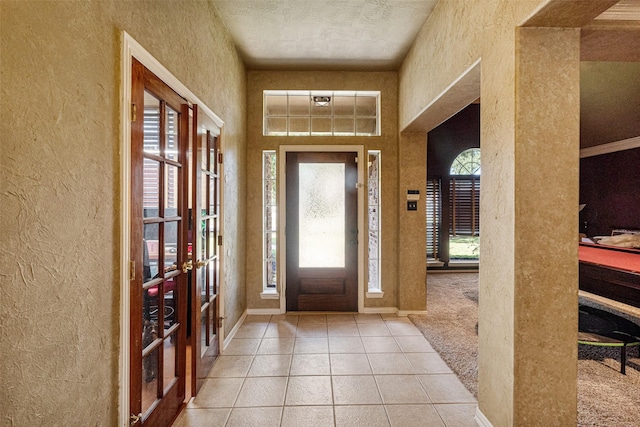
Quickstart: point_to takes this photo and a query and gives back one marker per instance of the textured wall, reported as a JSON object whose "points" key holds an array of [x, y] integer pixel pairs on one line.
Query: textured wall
{"points": [[456, 35], [59, 169], [387, 83], [412, 290], [547, 144]]}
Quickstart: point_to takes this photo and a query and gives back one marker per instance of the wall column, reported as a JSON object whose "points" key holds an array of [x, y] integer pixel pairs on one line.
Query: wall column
{"points": [[412, 254], [528, 316]]}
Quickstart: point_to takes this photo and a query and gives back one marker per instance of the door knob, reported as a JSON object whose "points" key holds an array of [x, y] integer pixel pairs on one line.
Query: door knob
{"points": [[187, 266], [134, 419], [201, 264]]}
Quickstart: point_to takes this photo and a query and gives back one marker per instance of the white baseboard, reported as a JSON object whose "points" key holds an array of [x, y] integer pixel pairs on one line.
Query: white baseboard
{"points": [[366, 310], [391, 310], [451, 270], [233, 331], [263, 311], [379, 310], [481, 420]]}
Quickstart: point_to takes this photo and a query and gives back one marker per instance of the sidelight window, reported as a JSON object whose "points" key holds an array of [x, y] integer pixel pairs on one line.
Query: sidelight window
{"points": [[373, 202], [270, 221]]}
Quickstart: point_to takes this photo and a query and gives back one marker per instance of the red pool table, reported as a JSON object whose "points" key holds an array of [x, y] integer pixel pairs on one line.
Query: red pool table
{"points": [[610, 272]]}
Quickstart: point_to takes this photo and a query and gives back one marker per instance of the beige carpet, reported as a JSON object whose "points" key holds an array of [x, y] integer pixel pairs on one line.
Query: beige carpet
{"points": [[605, 397]]}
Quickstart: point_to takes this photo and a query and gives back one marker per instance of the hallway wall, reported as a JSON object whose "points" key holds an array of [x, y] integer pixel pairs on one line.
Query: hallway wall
{"points": [[387, 142], [60, 195]]}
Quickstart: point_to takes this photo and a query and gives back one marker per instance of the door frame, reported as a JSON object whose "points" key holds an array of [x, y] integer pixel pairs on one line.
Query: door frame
{"points": [[132, 49], [282, 204]]}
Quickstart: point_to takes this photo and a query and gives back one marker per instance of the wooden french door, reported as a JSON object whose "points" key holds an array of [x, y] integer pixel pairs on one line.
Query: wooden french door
{"points": [[207, 241], [159, 266], [322, 231]]}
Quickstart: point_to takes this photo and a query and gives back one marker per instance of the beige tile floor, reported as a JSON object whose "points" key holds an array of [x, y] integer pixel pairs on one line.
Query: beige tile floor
{"points": [[330, 370]]}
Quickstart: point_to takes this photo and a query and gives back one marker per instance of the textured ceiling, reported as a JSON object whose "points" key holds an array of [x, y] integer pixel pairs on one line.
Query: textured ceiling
{"points": [[609, 102], [375, 35], [624, 10], [324, 34], [614, 35]]}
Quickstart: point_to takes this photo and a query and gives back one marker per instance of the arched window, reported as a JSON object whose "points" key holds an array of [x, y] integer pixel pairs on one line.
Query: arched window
{"points": [[467, 163]]}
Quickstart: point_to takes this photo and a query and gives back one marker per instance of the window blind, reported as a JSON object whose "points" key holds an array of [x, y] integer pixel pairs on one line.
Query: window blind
{"points": [[433, 217], [464, 199]]}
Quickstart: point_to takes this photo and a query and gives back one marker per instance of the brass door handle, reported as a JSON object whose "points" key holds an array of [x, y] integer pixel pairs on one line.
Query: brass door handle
{"points": [[200, 264], [135, 419], [187, 266]]}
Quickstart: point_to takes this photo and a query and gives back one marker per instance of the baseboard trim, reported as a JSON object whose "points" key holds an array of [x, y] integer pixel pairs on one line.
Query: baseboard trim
{"points": [[366, 310], [233, 331], [391, 310], [405, 313], [380, 310], [452, 270], [263, 311], [481, 420]]}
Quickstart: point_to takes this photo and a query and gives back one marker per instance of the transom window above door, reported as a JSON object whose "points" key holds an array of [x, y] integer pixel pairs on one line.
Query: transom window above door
{"points": [[321, 113]]}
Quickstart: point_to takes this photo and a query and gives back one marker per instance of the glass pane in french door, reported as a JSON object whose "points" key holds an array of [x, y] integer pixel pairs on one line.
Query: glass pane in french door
{"points": [[204, 316], [171, 134], [202, 273], [150, 251], [171, 190], [151, 138], [204, 203], [150, 364], [151, 188], [215, 277], [211, 238], [171, 246], [169, 359]]}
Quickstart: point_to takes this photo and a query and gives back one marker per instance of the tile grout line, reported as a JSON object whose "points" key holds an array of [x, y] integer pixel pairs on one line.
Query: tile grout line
{"points": [[329, 352]]}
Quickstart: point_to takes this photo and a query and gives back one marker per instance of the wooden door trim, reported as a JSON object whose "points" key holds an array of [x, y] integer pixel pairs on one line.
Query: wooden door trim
{"points": [[130, 49], [282, 221]]}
